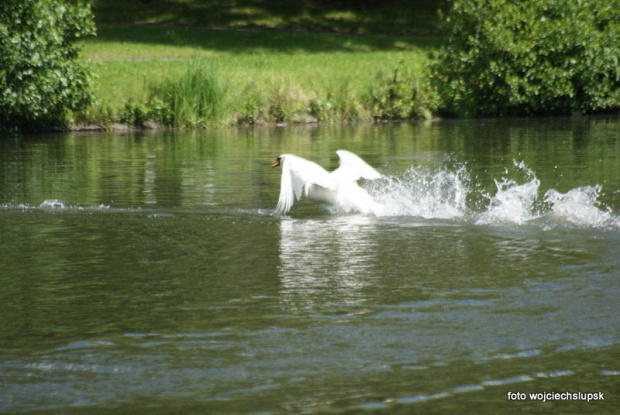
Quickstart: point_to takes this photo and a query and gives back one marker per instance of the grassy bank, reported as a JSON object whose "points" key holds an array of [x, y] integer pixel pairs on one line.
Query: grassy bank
{"points": [[266, 76]]}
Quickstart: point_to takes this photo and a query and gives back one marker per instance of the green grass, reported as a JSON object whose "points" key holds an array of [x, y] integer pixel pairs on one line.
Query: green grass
{"points": [[269, 75]]}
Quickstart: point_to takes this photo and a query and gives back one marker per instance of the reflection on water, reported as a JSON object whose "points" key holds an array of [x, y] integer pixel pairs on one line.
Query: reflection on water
{"points": [[146, 272], [327, 261]]}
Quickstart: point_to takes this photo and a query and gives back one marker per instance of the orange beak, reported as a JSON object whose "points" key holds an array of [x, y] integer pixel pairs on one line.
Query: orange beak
{"points": [[276, 164]]}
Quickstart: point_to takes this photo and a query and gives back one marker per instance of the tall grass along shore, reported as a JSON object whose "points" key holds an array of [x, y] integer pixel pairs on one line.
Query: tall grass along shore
{"points": [[190, 77]]}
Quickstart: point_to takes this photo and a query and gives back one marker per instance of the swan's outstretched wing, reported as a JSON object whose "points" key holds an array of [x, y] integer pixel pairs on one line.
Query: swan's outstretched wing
{"points": [[352, 168], [297, 174]]}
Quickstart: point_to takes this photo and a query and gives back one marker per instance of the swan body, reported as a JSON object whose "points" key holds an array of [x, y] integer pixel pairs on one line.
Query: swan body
{"points": [[337, 188]]}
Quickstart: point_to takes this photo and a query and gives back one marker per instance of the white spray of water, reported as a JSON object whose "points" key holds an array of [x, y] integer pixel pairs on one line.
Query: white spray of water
{"points": [[580, 207], [53, 204], [513, 203], [425, 193], [444, 193]]}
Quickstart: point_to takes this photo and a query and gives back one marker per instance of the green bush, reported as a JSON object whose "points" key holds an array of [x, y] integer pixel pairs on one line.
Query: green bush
{"points": [[400, 95], [285, 102], [134, 113], [40, 76], [512, 57], [337, 103], [252, 111]]}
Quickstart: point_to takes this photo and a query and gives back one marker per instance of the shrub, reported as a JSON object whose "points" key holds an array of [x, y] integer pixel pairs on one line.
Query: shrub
{"points": [[285, 102], [252, 111], [40, 77], [536, 56], [338, 102], [134, 113], [400, 95]]}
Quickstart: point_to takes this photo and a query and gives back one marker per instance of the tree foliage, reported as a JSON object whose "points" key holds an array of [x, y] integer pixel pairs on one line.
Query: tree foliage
{"points": [[531, 56], [40, 76]]}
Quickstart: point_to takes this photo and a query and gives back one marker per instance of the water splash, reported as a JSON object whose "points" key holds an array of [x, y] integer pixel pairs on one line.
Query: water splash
{"points": [[52, 205], [513, 203], [424, 193], [580, 206], [55, 204], [451, 193]]}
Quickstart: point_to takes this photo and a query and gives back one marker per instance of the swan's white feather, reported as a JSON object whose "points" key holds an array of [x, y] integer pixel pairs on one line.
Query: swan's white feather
{"points": [[337, 188], [352, 168], [298, 175]]}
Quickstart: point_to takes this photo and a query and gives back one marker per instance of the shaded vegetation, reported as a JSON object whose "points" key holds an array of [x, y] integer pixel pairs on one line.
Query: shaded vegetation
{"points": [[344, 16], [126, 41], [510, 57]]}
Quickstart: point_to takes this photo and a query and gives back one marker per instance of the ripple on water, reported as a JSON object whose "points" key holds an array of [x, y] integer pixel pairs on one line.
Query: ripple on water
{"points": [[466, 388]]}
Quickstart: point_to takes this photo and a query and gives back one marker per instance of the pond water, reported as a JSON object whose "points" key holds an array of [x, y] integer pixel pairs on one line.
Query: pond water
{"points": [[145, 273]]}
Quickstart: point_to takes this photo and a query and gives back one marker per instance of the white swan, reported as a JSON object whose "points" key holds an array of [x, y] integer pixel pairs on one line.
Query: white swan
{"points": [[338, 188]]}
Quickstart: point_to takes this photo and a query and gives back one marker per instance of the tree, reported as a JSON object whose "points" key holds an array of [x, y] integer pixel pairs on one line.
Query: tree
{"points": [[531, 56], [40, 76]]}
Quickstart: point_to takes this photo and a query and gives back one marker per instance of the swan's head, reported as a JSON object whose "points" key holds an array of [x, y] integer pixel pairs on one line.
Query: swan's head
{"points": [[279, 161]]}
